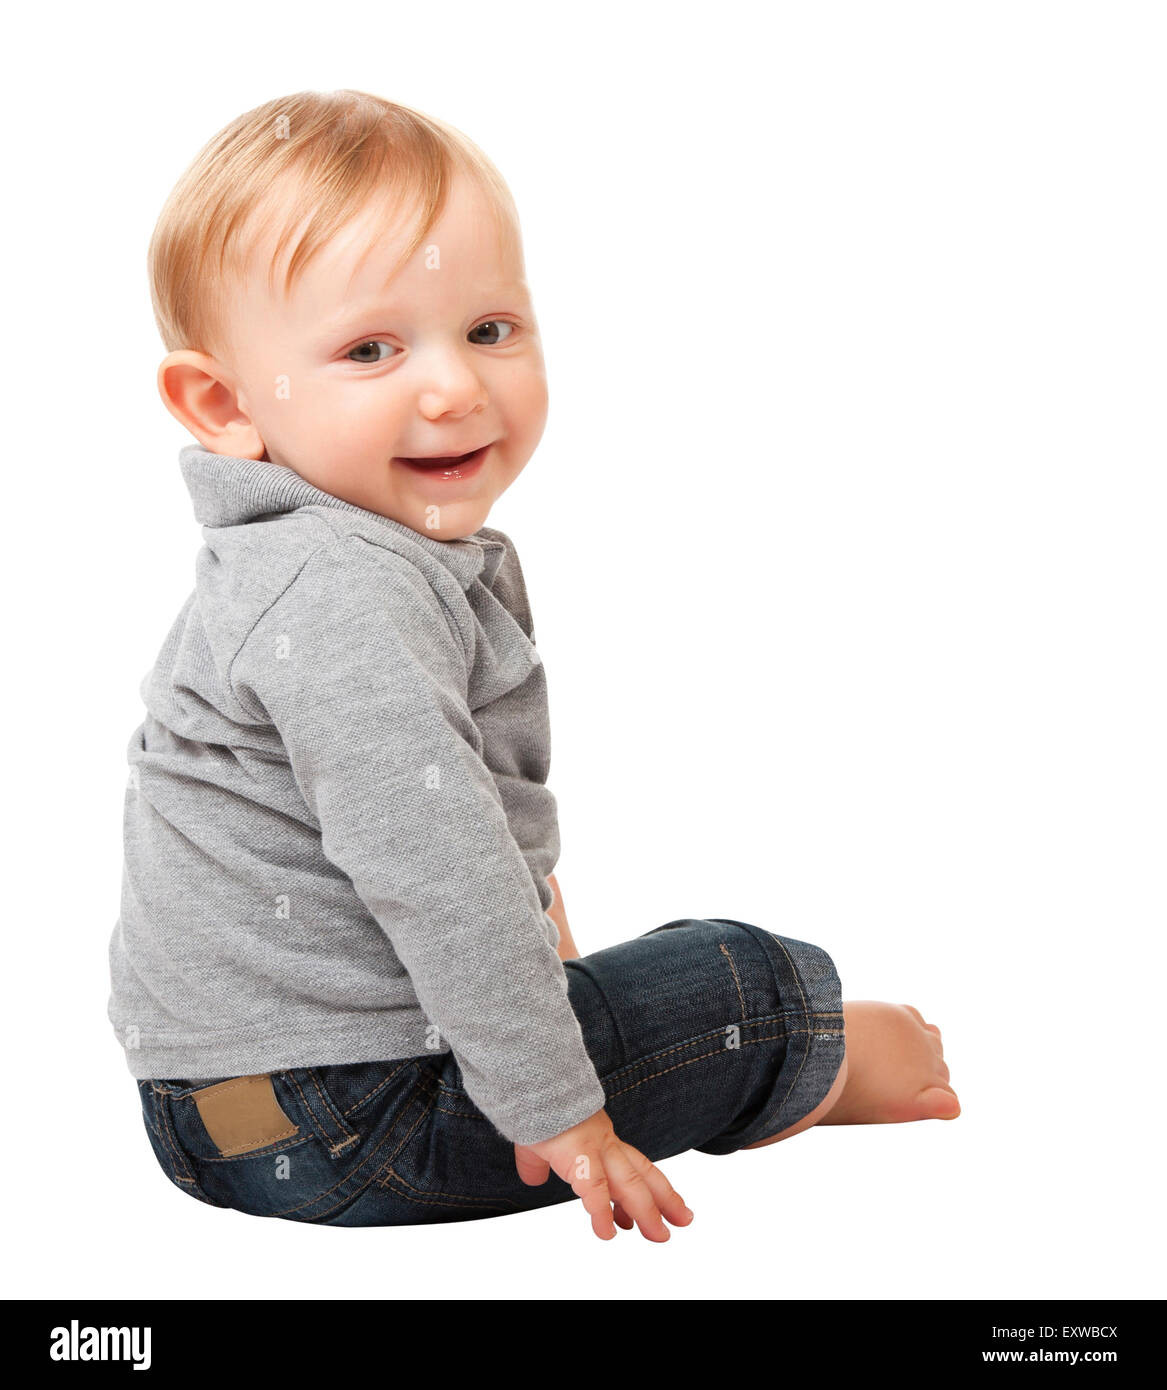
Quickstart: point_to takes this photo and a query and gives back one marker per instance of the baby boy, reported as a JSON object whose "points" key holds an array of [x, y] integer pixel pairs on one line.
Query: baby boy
{"points": [[342, 974]]}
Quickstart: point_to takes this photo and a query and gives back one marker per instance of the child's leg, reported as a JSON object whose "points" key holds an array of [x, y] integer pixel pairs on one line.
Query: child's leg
{"points": [[893, 1071]]}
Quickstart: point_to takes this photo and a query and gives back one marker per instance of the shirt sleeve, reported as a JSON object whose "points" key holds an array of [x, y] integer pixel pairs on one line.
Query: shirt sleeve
{"points": [[358, 669]]}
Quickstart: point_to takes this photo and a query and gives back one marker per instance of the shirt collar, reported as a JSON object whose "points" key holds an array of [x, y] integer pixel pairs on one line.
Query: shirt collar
{"points": [[229, 491]]}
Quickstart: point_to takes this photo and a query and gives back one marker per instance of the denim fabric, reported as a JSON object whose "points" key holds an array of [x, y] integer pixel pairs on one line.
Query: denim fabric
{"points": [[707, 1034]]}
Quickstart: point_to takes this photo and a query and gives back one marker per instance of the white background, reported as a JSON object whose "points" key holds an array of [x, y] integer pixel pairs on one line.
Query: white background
{"points": [[854, 317]]}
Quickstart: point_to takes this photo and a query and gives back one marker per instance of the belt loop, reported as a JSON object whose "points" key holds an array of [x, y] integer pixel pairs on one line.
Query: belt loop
{"points": [[321, 1111]]}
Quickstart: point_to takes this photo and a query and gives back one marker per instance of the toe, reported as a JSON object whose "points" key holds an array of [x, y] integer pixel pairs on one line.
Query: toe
{"points": [[939, 1102], [919, 1017]]}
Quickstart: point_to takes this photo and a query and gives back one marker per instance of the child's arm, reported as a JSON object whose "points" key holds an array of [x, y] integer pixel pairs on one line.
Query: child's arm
{"points": [[366, 678], [567, 947]]}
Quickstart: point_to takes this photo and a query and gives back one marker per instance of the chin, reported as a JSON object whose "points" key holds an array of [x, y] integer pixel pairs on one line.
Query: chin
{"points": [[459, 519]]}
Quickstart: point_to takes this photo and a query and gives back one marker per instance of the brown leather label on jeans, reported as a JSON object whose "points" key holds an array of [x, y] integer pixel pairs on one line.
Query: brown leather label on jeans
{"points": [[242, 1114]]}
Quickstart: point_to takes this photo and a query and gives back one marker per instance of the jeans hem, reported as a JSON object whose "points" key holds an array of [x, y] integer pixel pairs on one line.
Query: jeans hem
{"points": [[810, 993]]}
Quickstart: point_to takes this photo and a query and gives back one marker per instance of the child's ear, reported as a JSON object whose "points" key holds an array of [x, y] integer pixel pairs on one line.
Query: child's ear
{"points": [[197, 391]]}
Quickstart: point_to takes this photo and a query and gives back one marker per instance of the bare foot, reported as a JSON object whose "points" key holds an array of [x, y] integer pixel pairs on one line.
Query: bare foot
{"points": [[896, 1069]]}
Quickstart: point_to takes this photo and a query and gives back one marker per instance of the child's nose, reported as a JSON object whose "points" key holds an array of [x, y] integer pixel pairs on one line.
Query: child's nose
{"points": [[452, 387]]}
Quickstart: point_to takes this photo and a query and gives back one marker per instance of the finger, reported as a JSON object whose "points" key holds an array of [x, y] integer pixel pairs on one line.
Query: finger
{"points": [[532, 1169], [623, 1220], [627, 1171], [668, 1199], [592, 1190]]}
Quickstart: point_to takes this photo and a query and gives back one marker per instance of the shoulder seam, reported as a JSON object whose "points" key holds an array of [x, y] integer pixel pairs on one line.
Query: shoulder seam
{"points": [[338, 543], [316, 550]]}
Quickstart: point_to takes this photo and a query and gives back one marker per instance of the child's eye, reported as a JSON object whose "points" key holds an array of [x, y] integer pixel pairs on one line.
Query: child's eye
{"points": [[371, 343], [494, 325]]}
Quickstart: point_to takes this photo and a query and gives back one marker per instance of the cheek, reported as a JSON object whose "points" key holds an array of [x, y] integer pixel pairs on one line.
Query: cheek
{"points": [[372, 419], [533, 405]]}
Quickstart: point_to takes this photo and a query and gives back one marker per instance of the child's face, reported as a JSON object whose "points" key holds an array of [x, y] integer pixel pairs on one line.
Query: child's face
{"points": [[351, 377]]}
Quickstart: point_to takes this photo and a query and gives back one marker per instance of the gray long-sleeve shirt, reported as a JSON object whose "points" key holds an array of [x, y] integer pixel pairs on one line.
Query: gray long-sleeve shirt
{"points": [[337, 825]]}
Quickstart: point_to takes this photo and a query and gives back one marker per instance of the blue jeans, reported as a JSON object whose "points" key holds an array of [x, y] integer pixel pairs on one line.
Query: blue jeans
{"points": [[706, 1034]]}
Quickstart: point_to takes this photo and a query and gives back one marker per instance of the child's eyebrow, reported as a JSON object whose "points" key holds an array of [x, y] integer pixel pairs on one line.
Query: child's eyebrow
{"points": [[350, 315]]}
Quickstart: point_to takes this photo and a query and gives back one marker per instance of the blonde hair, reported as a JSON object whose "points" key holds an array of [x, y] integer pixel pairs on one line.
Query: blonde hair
{"points": [[327, 154]]}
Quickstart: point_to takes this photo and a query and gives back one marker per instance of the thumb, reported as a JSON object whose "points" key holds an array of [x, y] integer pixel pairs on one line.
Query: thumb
{"points": [[533, 1170]]}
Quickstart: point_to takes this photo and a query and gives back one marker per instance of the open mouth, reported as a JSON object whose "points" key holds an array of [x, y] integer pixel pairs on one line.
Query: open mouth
{"points": [[447, 465]]}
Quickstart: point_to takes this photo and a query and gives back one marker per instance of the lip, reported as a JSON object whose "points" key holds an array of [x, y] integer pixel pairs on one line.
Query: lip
{"points": [[451, 466]]}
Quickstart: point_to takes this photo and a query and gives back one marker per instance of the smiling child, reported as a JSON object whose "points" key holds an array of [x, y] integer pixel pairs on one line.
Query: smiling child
{"points": [[343, 974]]}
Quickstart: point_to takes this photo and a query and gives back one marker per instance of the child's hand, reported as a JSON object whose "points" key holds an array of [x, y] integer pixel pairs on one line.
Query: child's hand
{"points": [[603, 1171]]}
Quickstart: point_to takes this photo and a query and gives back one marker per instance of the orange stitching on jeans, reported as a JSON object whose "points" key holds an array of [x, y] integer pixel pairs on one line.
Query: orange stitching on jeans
{"points": [[224, 1086], [464, 1114], [250, 1148], [481, 1201], [326, 1101], [319, 1124], [301, 1138], [388, 1172], [385, 1080], [171, 1141], [352, 1197], [312, 1201], [368, 1158], [720, 1052], [689, 1042], [741, 997], [806, 1020]]}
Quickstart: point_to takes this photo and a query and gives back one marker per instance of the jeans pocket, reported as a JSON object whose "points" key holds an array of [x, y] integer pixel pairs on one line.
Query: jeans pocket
{"points": [[299, 1144], [252, 1142]]}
